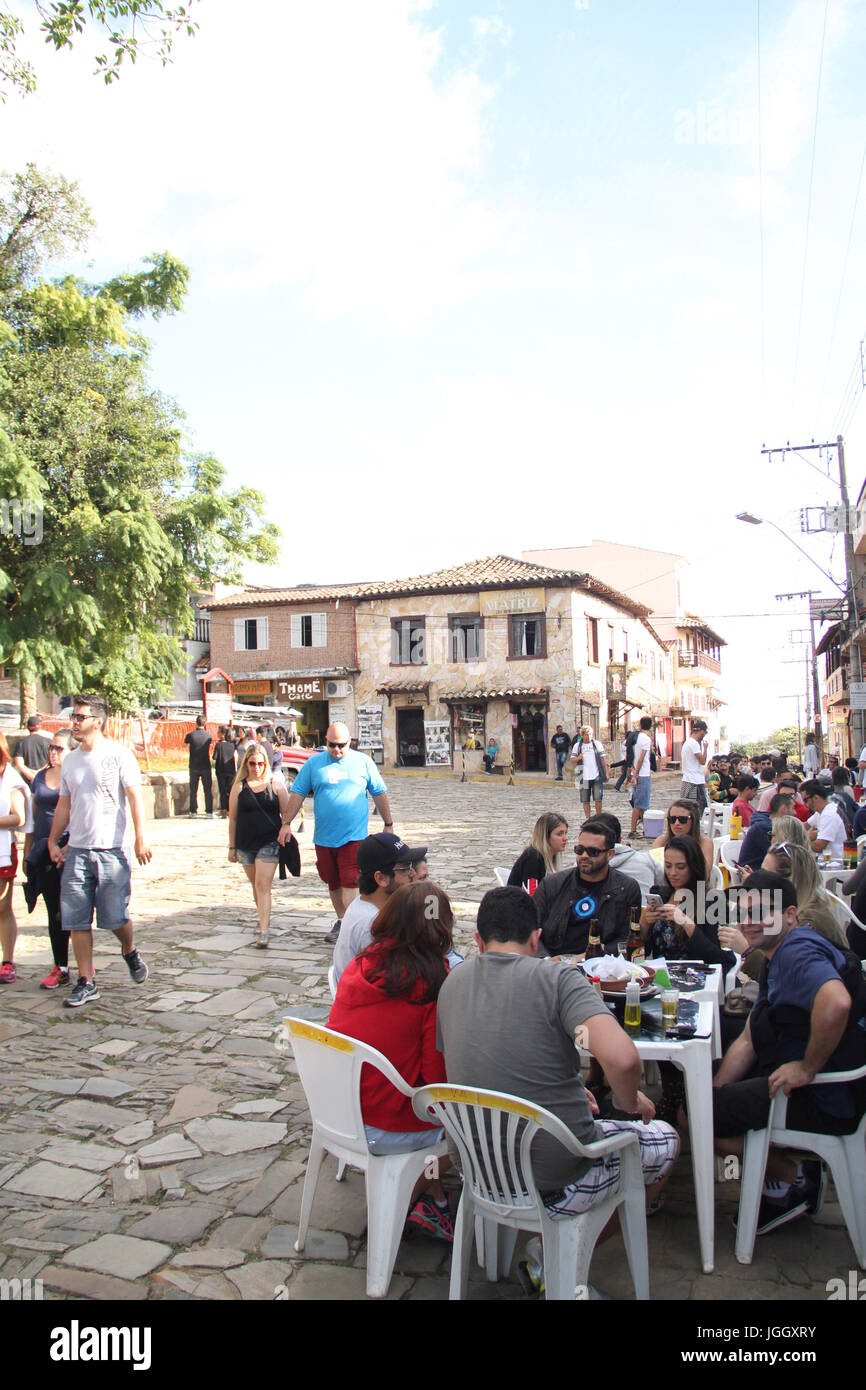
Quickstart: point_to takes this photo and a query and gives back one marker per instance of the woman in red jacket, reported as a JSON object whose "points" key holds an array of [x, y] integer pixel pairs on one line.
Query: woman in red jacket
{"points": [[387, 998]]}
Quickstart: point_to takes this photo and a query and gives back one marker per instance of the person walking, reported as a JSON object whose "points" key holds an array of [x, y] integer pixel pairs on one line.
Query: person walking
{"points": [[225, 766], [561, 745], [811, 761], [589, 753], [199, 742], [14, 813], [43, 876], [257, 808], [693, 760], [97, 784], [640, 776], [339, 778], [32, 751]]}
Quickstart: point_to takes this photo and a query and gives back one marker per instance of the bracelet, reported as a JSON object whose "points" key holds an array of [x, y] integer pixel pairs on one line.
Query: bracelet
{"points": [[389, 822]]}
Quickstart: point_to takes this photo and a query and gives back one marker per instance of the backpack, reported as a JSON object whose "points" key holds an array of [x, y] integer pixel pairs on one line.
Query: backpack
{"points": [[630, 741]]}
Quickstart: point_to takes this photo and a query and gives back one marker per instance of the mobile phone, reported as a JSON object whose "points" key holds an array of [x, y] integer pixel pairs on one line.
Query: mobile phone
{"points": [[653, 900]]}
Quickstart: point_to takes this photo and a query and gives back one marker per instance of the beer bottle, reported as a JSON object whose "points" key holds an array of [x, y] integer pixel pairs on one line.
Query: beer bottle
{"points": [[634, 946], [595, 947]]}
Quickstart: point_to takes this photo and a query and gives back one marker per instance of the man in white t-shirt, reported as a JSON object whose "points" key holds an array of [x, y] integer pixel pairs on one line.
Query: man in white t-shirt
{"points": [[589, 753], [825, 827], [385, 863], [640, 777], [97, 783], [693, 762]]}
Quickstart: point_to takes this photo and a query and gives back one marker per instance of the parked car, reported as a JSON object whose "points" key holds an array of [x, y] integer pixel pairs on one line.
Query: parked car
{"points": [[294, 759]]}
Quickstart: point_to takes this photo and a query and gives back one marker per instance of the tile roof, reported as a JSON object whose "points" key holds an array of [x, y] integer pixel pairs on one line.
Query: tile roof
{"points": [[536, 692], [690, 620], [494, 572]]}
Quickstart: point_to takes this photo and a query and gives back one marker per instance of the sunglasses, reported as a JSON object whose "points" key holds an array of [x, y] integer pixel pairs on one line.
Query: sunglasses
{"points": [[680, 820], [337, 745], [77, 718], [590, 853], [57, 747], [781, 849]]}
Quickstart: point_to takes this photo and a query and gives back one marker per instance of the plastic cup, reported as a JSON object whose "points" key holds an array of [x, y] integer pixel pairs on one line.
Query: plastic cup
{"points": [[669, 1000]]}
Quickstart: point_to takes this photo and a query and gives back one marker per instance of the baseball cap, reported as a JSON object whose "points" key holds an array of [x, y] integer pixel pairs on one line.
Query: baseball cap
{"points": [[34, 721], [383, 851]]}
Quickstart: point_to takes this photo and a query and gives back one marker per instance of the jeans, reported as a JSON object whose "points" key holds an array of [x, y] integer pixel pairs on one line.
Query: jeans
{"points": [[207, 784]]}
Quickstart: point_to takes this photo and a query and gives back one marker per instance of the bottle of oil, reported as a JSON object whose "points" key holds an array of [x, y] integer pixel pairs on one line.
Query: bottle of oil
{"points": [[595, 947], [634, 947], [631, 1021]]}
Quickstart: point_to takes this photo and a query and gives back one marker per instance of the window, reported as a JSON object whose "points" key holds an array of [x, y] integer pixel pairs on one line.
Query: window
{"points": [[592, 641], [251, 634], [525, 637], [408, 642], [309, 629], [467, 639]]}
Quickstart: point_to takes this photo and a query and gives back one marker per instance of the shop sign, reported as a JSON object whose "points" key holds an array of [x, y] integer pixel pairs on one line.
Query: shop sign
{"points": [[369, 726], [312, 689], [251, 688], [217, 708], [512, 601]]}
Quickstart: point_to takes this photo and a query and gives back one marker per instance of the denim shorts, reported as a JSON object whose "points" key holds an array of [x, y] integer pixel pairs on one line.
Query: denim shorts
{"points": [[641, 794], [592, 791], [94, 879], [270, 852], [387, 1141]]}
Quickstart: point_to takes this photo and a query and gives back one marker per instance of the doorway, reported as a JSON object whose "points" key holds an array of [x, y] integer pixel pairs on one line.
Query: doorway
{"points": [[410, 737], [529, 736]]}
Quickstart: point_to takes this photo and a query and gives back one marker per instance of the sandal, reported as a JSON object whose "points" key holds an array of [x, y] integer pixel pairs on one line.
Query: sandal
{"points": [[262, 941]]}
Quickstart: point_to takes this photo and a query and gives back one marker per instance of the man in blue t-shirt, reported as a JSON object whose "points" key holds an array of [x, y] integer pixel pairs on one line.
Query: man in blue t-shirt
{"points": [[339, 780], [809, 1018]]}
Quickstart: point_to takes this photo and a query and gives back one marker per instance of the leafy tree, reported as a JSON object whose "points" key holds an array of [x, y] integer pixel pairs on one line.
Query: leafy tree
{"points": [[129, 26], [131, 524]]}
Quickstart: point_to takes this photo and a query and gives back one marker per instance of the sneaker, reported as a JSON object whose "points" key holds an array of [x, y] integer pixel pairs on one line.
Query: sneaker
{"points": [[427, 1215], [333, 935], [58, 977], [8, 973], [530, 1278], [84, 993], [778, 1212], [811, 1185], [137, 968]]}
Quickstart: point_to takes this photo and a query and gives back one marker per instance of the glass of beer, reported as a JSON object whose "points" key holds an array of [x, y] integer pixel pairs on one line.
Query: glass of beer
{"points": [[670, 1000]]}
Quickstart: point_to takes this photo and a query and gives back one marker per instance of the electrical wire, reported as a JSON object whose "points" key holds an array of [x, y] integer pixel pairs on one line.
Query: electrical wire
{"points": [[761, 209], [844, 270]]}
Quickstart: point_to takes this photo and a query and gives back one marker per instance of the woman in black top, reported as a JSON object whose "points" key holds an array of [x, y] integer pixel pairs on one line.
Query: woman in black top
{"points": [[686, 925], [257, 808], [43, 877], [543, 854], [225, 766]]}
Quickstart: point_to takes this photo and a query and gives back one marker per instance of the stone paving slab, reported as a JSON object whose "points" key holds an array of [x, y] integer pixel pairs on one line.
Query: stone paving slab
{"points": [[51, 1180], [228, 1137], [125, 1256]]}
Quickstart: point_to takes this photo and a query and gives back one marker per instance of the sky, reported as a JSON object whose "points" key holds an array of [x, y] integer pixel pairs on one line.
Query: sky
{"points": [[475, 278]]}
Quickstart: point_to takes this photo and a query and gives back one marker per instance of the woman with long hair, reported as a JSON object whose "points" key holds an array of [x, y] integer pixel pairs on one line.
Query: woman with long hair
{"points": [[543, 854], [685, 926], [43, 876], [684, 818], [257, 808], [14, 808], [387, 998]]}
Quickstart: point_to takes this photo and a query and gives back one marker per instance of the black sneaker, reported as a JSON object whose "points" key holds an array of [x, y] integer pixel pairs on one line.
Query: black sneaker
{"points": [[137, 968], [333, 935], [773, 1212], [84, 993]]}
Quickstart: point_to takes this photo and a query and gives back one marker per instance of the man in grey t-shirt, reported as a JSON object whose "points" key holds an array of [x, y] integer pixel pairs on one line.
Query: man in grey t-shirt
{"points": [[508, 1021]]}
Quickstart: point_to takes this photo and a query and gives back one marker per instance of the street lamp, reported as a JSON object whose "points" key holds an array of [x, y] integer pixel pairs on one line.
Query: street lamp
{"points": [[762, 521]]}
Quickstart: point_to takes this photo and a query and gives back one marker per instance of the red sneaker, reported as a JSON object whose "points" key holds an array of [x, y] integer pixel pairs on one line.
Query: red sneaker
{"points": [[58, 977], [8, 973]]}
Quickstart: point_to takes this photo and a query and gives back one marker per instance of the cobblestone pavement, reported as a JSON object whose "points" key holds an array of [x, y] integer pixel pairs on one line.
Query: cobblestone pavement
{"points": [[153, 1144]]}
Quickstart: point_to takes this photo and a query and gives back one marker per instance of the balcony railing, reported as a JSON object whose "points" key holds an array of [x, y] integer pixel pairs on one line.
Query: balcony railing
{"points": [[699, 660]]}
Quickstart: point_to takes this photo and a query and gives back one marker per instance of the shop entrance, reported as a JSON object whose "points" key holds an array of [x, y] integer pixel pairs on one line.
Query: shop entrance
{"points": [[410, 737], [313, 724], [529, 737]]}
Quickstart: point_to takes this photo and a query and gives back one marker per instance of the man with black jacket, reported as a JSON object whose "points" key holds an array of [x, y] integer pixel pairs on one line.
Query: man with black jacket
{"points": [[568, 902]]}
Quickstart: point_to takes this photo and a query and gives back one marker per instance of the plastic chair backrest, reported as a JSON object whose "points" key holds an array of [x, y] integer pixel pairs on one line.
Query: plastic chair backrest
{"points": [[729, 851], [841, 910], [332, 981], [330, 1065], [501, 876], [715, 879]]}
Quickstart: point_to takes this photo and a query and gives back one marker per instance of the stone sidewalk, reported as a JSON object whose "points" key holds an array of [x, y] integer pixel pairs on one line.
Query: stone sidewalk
{"points": [[153, 1144]]}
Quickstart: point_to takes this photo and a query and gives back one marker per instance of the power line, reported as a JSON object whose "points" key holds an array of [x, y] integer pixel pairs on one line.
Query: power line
{"points": [[844, 270], [761, 209]]}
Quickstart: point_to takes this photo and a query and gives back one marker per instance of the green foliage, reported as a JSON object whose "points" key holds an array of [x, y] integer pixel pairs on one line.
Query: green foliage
{"points": [[131, 525], [130, 27], [784, 739], [41, 216]]}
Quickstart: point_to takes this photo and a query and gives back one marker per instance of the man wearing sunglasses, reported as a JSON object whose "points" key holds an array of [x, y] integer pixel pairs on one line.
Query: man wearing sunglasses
{"points": [[339, 779], [568, 902]]}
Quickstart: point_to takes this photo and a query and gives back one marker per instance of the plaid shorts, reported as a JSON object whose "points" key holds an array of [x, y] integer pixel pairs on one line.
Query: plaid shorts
{"points": [[659, 1146]]}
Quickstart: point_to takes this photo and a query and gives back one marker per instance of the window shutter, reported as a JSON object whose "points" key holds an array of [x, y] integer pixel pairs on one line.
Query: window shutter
{"points": [[240, 629], [262, 635], [320, 629], [296, 629]]}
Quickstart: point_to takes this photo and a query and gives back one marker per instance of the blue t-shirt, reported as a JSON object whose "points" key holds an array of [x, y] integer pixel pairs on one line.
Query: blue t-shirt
{"points": [[803, 963], [339, 787]]}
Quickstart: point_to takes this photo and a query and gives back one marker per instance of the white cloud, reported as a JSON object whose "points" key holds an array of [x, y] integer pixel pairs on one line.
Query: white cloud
{"points": [[492, 26]]}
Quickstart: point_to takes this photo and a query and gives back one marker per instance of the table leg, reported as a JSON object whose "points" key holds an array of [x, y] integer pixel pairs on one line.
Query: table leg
{"points": [[697, 1072]]}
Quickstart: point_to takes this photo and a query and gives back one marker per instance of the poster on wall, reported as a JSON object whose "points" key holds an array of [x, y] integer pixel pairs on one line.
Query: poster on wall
{"points": [[369, 726], [437, 744]]}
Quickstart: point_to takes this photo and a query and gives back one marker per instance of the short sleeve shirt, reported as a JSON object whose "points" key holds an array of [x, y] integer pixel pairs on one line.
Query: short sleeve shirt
{"points": [[96, 782], [354, 933], [830, 827], [643, 745], [199, 742], [33, 750], [339, 787], [507, 1023], [692, 770]]}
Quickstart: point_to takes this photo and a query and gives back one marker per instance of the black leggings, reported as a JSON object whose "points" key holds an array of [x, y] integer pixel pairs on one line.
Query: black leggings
{"points": [[48, 881]]}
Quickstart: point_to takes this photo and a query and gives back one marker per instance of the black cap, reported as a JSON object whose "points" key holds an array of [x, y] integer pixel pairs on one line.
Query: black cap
{"points": [[383, 851]]}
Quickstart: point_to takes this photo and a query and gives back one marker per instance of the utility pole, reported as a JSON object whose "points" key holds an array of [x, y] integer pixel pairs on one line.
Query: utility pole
{"points": [[816, 693]]}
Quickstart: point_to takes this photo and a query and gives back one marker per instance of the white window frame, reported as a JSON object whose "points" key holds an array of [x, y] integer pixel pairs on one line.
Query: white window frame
{"points": [[262, 635], [318, 629]]}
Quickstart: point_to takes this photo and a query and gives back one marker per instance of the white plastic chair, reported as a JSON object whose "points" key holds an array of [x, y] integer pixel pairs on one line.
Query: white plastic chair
{"points": [[330, 1065], [501, 876], [843, 912], [715, 879], [493, 1134], [845, 1156], [332, 981]]}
